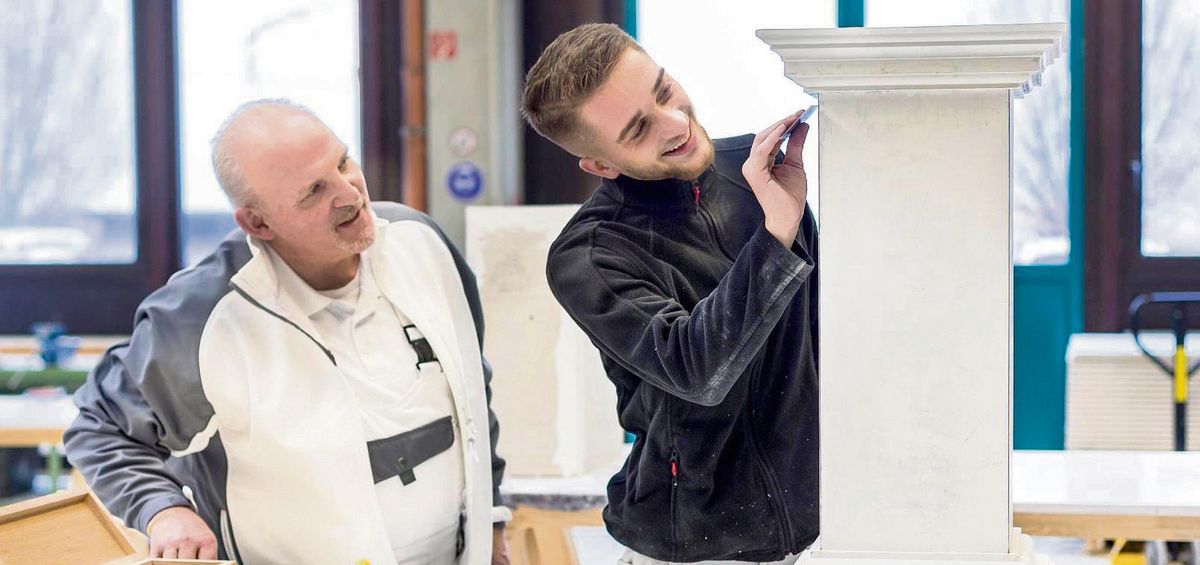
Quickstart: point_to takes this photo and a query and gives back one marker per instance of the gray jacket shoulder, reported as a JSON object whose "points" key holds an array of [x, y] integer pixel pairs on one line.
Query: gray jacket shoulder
{"points": [[160, 361]]}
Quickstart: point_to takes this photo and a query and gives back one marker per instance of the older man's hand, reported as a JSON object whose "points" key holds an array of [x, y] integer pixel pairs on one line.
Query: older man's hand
{"points": [[499, 545], [178, 533]]}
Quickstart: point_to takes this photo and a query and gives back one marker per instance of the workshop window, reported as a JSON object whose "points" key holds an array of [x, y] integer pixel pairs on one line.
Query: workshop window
{"points": [[67, 173], [1170, 164], [734, 79], [1142, 211], [1041, 120], [105, 183], [231, 51]]}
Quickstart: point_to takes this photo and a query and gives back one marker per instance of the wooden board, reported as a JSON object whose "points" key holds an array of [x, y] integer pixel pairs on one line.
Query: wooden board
{"points": [[541, 537], [1135, 495], [30, 437], [1093, 526], [68, 528]]}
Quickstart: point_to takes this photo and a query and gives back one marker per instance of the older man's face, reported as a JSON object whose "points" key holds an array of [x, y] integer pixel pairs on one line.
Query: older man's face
{"points": [[310, 192]]}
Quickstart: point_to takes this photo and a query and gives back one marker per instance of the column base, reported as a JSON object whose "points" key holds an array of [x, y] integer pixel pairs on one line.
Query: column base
{"points": [[1021, 553]]}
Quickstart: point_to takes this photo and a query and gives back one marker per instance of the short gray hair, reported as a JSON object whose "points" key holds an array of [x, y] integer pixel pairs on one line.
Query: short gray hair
{"points": [[224, 163]]}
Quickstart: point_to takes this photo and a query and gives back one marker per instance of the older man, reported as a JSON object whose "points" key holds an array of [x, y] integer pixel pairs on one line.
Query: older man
{"points": [[313, 391]]}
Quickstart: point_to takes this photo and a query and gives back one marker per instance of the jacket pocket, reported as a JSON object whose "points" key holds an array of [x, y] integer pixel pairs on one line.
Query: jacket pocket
{"points": [[400, 454]]}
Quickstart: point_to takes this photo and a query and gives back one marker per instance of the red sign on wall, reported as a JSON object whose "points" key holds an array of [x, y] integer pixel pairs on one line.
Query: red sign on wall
{"points": [[443, 45]]}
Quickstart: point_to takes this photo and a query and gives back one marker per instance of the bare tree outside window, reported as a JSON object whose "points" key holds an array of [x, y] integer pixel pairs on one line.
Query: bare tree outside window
{"points": [[734, 79], [1170, 128], [232, 51], [66, 132], [1041, 120]]}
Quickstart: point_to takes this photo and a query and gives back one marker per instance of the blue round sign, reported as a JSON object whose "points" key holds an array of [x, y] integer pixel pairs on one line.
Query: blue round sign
{"points": [[465, 181]]}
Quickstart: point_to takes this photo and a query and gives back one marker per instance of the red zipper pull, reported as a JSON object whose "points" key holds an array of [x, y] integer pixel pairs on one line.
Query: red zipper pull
{"points": [[674, 468], [696, 192]]}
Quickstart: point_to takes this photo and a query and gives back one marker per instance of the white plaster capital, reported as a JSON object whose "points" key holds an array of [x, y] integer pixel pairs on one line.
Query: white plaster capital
{"points": [[903, 58]]}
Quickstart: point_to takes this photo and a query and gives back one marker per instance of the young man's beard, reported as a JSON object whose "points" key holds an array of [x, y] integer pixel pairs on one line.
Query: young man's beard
{"points": [[695, 172], [689, 173]]}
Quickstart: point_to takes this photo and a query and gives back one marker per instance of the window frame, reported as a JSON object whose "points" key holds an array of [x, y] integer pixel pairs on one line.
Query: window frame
{"points": [[101, 299], [1116, 271], [89, 298]]}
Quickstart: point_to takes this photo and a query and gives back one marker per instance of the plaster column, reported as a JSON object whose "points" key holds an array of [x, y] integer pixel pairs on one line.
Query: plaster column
{"points": [[916, 284]]}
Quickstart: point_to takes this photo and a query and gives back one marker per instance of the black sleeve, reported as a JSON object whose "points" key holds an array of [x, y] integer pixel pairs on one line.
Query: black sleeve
{"points": [[698, 355], [808, 229]]}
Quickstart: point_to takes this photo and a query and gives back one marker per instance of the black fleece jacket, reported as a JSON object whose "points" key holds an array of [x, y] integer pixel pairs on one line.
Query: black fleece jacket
{"points": [[707, 326]]}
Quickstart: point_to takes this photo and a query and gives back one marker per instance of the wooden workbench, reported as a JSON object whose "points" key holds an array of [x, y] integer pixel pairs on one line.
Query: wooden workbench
{"points": [[1082, 494], [1137, 495]]}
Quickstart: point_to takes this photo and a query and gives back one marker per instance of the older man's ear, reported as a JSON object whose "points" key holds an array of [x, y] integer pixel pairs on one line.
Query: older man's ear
{"points": [[253, 223]]}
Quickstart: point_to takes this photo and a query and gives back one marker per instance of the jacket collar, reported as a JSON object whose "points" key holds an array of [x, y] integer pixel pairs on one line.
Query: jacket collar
{"points": [[261, 277], [309, 300], [662, 194]]}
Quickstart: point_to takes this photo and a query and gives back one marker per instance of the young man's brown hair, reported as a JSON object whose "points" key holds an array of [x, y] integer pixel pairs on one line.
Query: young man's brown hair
{"points": [[569, 71]]}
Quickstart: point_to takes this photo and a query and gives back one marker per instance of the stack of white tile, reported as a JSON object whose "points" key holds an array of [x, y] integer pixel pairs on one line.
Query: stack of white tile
{"points": [[1118, 399]]}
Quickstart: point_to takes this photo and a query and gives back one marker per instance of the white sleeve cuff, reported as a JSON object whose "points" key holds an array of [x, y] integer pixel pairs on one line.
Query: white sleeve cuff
{"points": [[501, 514]]}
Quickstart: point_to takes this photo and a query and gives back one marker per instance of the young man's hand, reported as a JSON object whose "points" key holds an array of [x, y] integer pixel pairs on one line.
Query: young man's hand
{"points": [[780, 189], [178, 533]]}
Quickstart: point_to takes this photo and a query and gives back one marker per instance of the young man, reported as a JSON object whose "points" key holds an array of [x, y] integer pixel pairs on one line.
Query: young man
{"points": [[313, 391], [691, 268]]}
